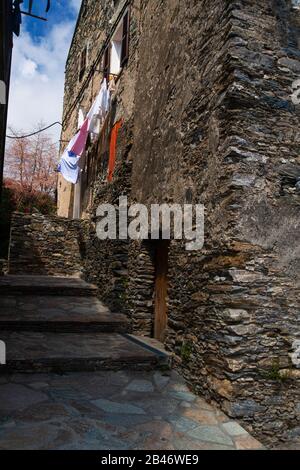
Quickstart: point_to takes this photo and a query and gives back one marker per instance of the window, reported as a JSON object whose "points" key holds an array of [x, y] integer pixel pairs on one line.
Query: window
{"points": [[119, 48], [106, 63], [116, 51], [125, 39], [82, 67]]}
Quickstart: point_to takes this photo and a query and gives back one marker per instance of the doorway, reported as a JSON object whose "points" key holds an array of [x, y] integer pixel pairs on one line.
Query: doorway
{"points": [[161, 255]]}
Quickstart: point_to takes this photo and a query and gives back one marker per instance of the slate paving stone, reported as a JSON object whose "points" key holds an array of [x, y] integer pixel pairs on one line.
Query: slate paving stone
{"points": [[182, 443], [179, 387], [9, 424], [185, 404], [51, 411], [44, 412], [202, 416], [234, 429], [38, 385], [17, 397], [103, 410], [183, 424], [140, 386], [164, 406], [201, 403], [125, 420], [120, 408], [105, 439], [210, 434], [246, 443], [67, 393], [29, 437], [30, 378], [161, 380], [186, 396]]}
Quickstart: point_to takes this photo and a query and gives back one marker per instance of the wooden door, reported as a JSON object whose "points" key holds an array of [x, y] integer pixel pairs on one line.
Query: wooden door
{"points": [[161, 289]]}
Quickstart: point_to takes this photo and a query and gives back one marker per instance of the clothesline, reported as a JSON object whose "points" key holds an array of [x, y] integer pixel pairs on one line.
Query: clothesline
{"points": [[68, 165]]}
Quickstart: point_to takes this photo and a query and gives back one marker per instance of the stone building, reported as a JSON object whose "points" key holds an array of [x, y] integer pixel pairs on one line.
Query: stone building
{"points": [[5, 64], [206, 96]]}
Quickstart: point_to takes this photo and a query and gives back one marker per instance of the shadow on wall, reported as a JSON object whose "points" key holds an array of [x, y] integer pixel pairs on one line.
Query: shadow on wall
{"points": [[45, 245]]}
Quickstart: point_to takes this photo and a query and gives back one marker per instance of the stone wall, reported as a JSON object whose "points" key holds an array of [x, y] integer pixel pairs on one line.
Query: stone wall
{"points": [[96, 23], [222, 130], [208, 118], [45, 245], [106, 262]]}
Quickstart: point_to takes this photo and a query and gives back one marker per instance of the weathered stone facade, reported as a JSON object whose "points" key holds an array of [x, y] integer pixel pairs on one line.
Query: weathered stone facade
{"points": [[46, 245], [207, 118]]}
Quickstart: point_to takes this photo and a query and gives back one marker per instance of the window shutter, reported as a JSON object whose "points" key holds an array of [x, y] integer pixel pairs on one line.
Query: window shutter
{"points": [[125, 39], [106, 63], [82, 63]]}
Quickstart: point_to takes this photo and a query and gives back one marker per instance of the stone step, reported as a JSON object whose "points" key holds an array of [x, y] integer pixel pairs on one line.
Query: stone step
{"points": [[66, 352], [45, 285], [58, 314]]}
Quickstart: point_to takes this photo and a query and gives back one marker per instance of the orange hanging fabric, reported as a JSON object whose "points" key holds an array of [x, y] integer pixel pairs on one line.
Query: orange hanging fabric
{"points": [[113, 149]]}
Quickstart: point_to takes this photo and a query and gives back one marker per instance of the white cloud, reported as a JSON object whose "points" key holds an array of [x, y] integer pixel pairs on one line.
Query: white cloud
{"points": [[37, 80], [29, 68], [76, 4]]}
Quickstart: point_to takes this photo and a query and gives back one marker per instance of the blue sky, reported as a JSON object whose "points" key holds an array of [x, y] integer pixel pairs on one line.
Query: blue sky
{"points": [[60, 12], [39, 56]]}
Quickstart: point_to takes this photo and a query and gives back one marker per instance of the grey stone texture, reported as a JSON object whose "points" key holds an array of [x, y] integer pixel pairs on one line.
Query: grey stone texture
{"points": [[207, 118], [96, 411], [60, 332], [45, 245]]}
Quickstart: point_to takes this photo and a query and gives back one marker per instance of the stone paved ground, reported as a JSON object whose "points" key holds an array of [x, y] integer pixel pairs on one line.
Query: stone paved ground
{"points": [[111, 410]]}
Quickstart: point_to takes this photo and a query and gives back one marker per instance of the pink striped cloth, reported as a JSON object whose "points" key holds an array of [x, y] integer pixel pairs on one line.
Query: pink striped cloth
{"points": [[80, 142]]}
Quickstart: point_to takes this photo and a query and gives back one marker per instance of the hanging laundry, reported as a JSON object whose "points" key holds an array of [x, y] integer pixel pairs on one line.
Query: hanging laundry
{"points": [[80, 142], [112, 85], [99, 109], [69, 161], [68, 165], [113, 149]]}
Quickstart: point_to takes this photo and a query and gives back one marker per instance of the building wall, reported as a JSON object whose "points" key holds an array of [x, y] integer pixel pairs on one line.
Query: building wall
{"points": [[208, 118], [5, 65], [107, 261], [46, 245], [95, 23]]}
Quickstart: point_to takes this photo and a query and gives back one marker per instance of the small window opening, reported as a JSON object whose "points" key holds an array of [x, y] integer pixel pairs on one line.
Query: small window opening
{"points": [[106, 63], [125, 39], [83, 63], [117, 53]]}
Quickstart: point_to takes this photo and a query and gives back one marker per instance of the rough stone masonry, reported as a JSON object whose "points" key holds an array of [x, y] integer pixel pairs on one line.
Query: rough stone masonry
{"points": [[205, 100]]}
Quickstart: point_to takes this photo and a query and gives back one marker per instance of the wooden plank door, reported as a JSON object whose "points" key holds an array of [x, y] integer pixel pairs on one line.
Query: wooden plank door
{"points": [[161, 289]]}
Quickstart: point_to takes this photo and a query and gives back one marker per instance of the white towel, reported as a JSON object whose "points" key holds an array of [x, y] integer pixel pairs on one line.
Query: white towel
{"points": [[68, 165]]}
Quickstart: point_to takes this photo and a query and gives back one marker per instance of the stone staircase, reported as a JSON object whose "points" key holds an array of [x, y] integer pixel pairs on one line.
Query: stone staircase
{"points": [[56, 324]]}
